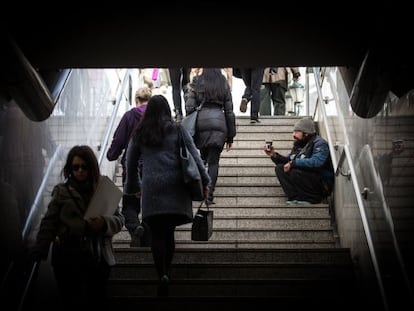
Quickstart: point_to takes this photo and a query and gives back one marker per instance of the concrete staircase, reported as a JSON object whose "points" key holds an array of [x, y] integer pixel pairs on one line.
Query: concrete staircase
{"points": [[263, 252]]}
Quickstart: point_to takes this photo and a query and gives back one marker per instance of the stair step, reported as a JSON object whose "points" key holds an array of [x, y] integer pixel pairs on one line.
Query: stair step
{"points": [[249, 190], [258, 144], [226, 303], [263, 251], [251, 234], [256, 200], [266, 222], [247, 180], [234, 271], [274, 210], [235, 287], [240, 255], [236, 244]]}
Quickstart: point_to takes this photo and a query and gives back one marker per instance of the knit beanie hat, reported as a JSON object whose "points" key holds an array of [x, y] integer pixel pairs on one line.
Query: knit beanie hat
{"points": [[305, 125]]}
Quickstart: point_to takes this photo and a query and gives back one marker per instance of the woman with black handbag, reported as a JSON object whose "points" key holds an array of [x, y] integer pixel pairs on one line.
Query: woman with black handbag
{"points": [[165, 198], [216, 121]]}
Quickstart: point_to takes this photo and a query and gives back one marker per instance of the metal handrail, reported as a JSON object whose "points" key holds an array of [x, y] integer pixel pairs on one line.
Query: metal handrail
{"points": [[389, 220], [26, 289], [323, 111], [61, 84], [347, 155], [34, 210], [118, 99]]}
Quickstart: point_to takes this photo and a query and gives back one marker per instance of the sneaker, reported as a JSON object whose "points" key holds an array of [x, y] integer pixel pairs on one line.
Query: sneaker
{"points": [[136, 237], [243, 104], [303, 202], [291, 202], [254, 120]]}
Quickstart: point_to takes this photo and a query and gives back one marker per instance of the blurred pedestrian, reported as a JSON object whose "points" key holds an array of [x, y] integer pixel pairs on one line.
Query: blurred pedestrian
{"points": [[131, 206], [252, 78], [274, 87], [180, 77]]}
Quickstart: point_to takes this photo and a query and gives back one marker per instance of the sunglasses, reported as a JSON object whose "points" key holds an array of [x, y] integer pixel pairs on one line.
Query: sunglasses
{"points": [[76, 167]]}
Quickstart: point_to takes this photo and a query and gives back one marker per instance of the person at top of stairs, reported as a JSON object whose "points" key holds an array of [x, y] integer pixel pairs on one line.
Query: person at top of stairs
{"points": [[306, 173]]}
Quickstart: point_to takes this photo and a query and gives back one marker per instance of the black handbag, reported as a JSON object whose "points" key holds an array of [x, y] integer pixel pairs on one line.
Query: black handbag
{"points": [[202, 227], [191, 173]]}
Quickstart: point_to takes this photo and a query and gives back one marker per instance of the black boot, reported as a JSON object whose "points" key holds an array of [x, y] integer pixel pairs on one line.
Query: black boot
{"points": [[210, 198], [178, 115], [163, 286]]}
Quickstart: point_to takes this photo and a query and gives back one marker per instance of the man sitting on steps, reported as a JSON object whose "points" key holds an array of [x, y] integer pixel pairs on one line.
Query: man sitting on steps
{"points": [[306, 173]]}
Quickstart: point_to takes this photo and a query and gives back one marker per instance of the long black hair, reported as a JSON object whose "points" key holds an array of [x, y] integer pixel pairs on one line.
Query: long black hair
{"points": [[153, 126], [85, 153], [213, 84]]}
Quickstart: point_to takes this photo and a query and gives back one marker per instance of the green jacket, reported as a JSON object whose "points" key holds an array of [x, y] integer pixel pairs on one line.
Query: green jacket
{"points": [[64, 223]]}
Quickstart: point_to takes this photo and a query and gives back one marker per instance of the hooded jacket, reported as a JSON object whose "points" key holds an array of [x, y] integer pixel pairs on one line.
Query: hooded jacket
{"points": [[123, 133]]}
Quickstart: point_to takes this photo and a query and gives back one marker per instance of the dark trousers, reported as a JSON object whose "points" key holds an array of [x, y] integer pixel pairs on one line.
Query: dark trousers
{"points": [[211, 157], [300, 185], [272, 92], [82, 285], [252, 79], [131, 207], [180, 77], [163, 243]]}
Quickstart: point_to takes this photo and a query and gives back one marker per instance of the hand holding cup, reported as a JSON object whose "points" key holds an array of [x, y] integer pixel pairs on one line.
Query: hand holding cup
{"points": [[268, 148]]}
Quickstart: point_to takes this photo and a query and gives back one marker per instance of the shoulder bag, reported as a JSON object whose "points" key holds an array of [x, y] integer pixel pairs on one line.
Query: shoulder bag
{"points": [[191, 173], [189, 122]]}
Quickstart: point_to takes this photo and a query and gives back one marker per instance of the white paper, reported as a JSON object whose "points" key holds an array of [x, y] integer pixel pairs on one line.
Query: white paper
{"points": [[105, 200]]}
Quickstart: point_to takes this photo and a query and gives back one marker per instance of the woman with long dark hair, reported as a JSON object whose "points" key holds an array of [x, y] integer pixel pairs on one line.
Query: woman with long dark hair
{"points": [[216, 121], [166, 201]]}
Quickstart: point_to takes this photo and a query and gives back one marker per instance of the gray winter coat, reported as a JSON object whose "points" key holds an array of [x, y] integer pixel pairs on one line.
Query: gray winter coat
{"points": [[163, 191]]}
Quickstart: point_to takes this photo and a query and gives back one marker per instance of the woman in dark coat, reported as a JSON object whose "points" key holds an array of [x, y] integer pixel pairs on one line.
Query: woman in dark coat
{"points": [[216, 121], [166, 202], [82, 252]]}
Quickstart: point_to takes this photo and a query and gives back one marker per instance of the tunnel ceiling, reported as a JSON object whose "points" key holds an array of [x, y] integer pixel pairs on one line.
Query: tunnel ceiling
{"points": [[207, 34]]}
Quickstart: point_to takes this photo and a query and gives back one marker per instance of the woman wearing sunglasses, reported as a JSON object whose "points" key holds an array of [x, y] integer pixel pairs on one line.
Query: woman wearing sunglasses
{"points": [[82, 253]]}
